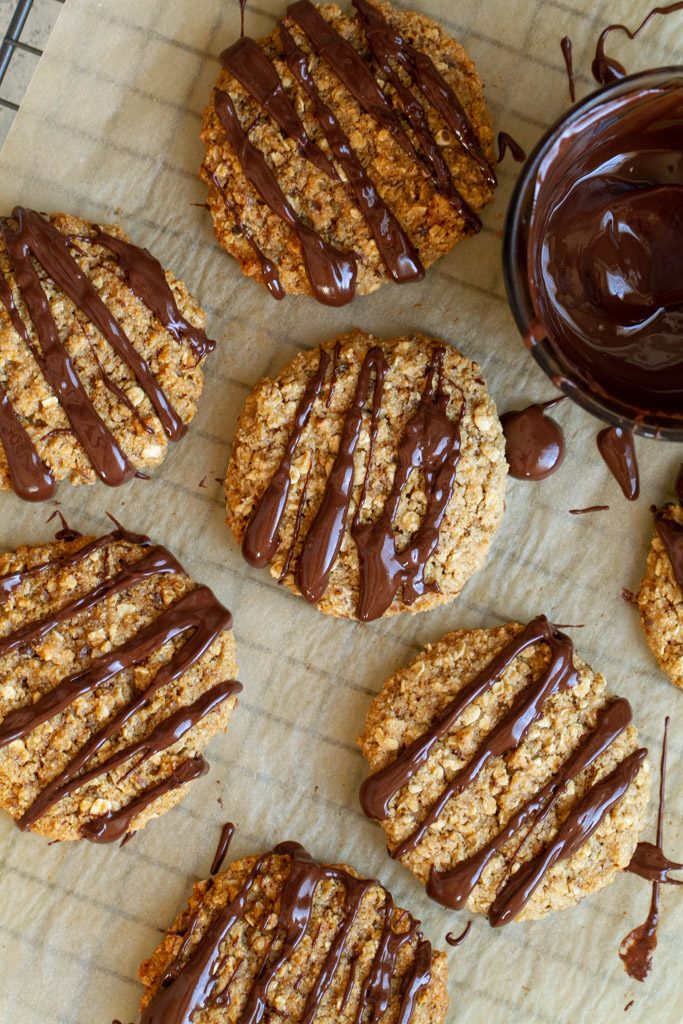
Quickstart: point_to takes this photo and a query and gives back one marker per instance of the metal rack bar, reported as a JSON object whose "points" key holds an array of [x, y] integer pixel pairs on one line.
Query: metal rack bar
{"points": [[12, 42]]}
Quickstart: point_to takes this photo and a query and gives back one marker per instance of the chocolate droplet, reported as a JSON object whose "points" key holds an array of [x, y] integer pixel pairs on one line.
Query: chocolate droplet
{"points": [[534, 443], [618, 448]]}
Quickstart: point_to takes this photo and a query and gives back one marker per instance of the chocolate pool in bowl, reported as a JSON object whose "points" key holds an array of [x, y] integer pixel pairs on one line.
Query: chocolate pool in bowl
{"points": [[594, 253]]}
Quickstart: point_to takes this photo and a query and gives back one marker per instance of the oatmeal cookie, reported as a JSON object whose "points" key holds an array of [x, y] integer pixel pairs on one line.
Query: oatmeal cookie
{"points": [[116, 669], [369, 474], [660, 598], [342, 152], [100, 353], [505, 776], [302, 941]]}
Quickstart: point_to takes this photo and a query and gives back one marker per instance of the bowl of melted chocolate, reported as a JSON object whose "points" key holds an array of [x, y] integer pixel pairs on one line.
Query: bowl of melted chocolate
{"points": [[593, 253]]}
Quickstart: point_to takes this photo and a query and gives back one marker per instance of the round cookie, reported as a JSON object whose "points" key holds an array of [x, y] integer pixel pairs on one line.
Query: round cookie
{"points": [[100, 353], [301, 940], [343, 152], [405, 534], [505, 776], [116, 669], [660, 598]]}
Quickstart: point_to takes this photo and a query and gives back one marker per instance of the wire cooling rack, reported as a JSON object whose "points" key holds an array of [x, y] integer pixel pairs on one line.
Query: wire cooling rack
{"points": [[12, 44]]}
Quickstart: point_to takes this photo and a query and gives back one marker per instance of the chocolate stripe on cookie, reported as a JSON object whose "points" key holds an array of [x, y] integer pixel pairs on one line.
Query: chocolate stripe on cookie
{"points": [[398, 252], [197, 612], [332, 274], [452, 888], [34, 237], [430, 442], [670, 533], [386, 42], [189, 983], [250, 66]]}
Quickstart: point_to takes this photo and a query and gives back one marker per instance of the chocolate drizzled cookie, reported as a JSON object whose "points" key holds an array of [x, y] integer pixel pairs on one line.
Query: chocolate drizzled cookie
{"points": [[344, 152], [504, 775], [282, 937], [660, 598], [369, 475], [100, 353], [115, 672]]}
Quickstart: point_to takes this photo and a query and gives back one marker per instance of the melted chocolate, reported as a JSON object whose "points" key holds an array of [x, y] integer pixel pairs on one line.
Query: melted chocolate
{"points": [[457, 940], [398, 252], [534, 442], [637, 948], [331, 274], [505, 143], [243, 4], [671, 535], [679, 485], [189, 984], [591, 508], [66, 532], [197, 613], [566, 47], [452, 888], [605, 256], [431, 441], [618, 448], [227, 832], [27, 237], [606, 69]]}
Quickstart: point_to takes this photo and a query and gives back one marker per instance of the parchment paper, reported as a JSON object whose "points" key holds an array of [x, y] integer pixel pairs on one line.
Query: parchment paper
{"points": [[109, 129]]}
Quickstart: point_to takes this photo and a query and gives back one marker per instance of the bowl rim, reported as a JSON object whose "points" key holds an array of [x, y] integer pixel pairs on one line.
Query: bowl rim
{"points": [[611, 411]]}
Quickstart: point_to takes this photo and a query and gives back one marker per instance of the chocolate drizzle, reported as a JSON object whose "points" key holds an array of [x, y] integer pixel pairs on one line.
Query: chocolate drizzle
{"points": [[505, 143], [227, 832], [197, 613], [606, 69], [671, 535], [457, 940], [332, 275], [618, 448], [189, 984], [28, 236], [453, 887], [430, 442], [637, 948], [566, 47], [534, 442]]}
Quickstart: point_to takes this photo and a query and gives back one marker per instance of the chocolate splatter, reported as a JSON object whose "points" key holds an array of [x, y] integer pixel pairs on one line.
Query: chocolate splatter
{"points": [[591, 508], [534, 442], [457, 940], [606, 69], [505, 143], [566, 47], [618, 448]]}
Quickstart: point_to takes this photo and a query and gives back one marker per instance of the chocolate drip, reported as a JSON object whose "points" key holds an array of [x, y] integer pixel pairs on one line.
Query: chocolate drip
{"points": [[31, 479], [66, 532], [591, 508], [198, 612], [271, 278], [243, 4], [534, 442], [606, 69], [457, 940], [398, 252], [566, 47], [331, 274], [146, 278], [637, 948], [453, 888], [191, 986], [227, 832], [577, 828], [505, 142], [385, 45], [35, 237], [671, 535], [618, 448], [650, 862], [109, 828], [429, 81], [325, 534], [260, 540], [679, 485], [251, 66]]}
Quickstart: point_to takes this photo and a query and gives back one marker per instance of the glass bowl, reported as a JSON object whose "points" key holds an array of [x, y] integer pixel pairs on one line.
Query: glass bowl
{"points": [[667, 425]]}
